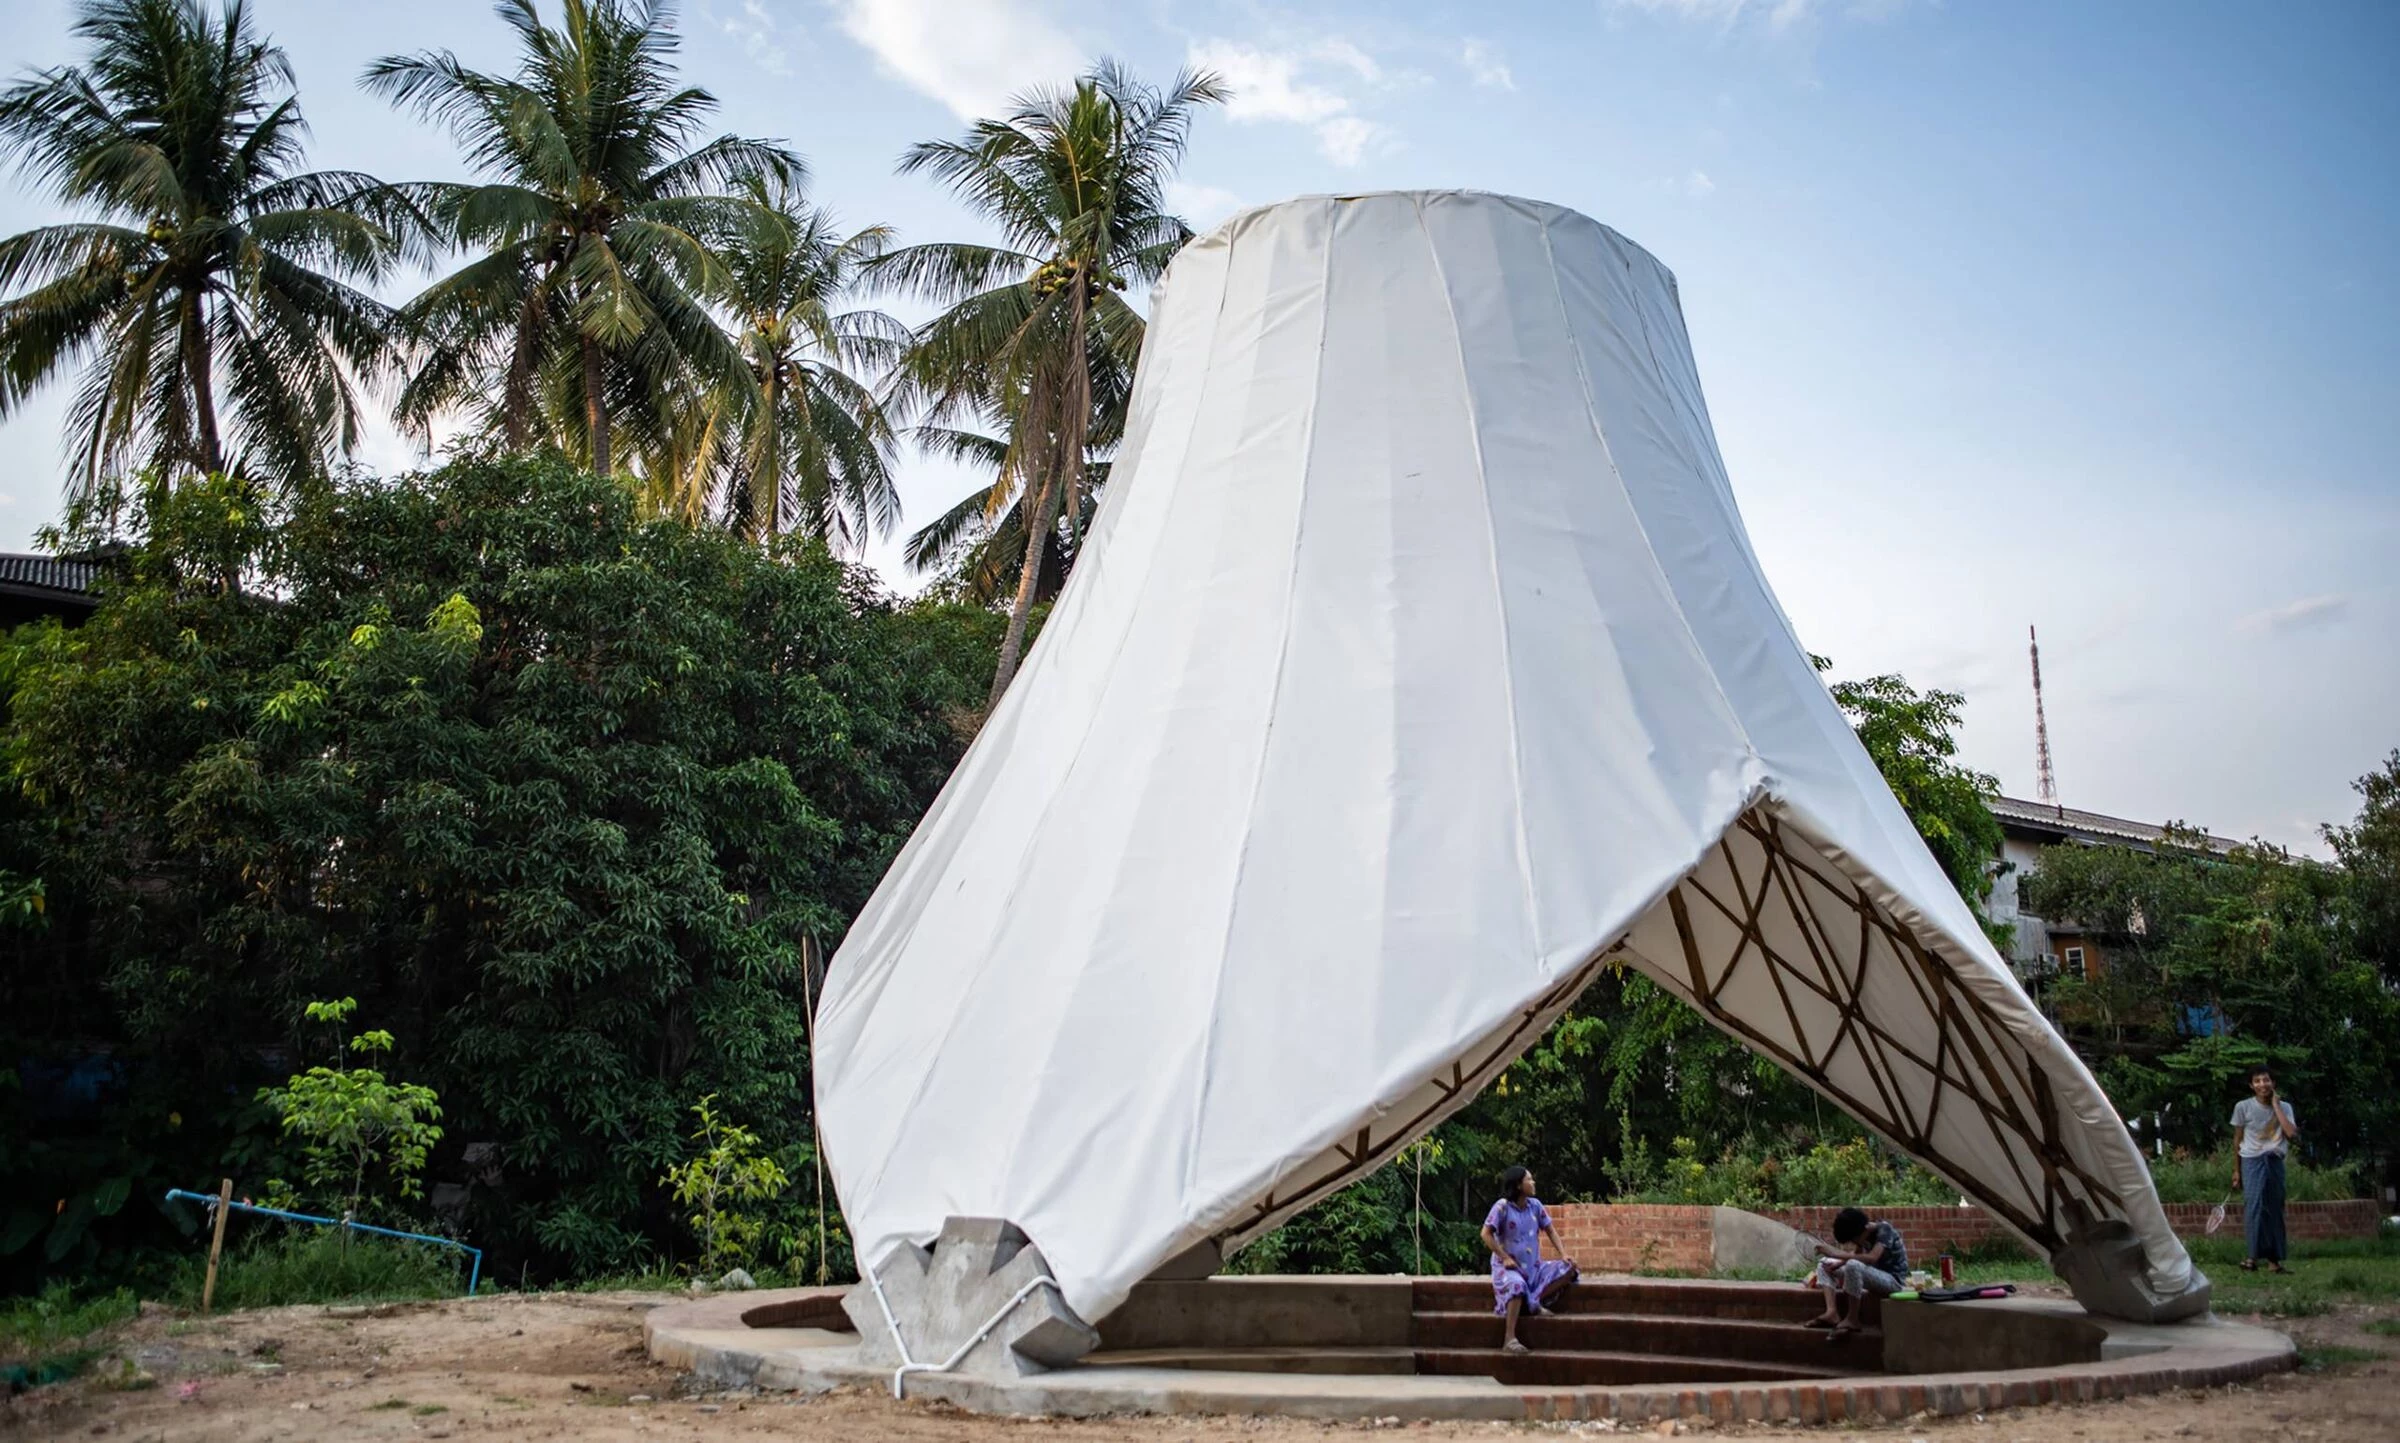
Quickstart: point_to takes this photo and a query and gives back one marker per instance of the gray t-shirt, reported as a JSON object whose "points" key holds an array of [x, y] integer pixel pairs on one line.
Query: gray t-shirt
{"points": [[1895, 1248], [2259, 1135]]}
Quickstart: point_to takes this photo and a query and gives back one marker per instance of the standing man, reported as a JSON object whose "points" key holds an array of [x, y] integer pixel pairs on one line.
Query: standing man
{"points": [[2263, 1131]]}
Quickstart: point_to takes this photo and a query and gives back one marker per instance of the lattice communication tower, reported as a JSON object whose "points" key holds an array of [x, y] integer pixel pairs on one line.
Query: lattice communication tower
{"points": [[2045, 784]]}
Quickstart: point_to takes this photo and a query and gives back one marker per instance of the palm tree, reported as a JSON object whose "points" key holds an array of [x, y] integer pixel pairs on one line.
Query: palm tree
{"points": [[214, 298], [978, 545], [800, 443], [1037, 328], [586, 311]]}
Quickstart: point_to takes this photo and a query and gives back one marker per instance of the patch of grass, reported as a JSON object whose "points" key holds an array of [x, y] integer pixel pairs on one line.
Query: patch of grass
{"points": [[657, 1278], [2384, 1327], [427, 1410], [388, 1405], [54, 1337], [2324, 1274], [662, 1277], [326, 1266], [2333, 1355], [2020, 1270]]}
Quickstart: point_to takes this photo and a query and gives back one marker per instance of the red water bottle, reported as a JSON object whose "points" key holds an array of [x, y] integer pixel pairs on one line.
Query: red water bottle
{"points": [[1949, 1273]]}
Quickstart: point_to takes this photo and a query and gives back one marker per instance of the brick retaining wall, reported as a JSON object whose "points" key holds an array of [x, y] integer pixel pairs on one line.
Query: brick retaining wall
{"points": [[1623, 1238], [2357, 1217], [1927, 1231], [1637, 1237]]}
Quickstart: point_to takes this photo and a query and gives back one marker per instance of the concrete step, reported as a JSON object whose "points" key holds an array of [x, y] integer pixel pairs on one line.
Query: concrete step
{"points": [[1777, 1341], [1540, 1368], [1402, 1361], [1667, 1297]]}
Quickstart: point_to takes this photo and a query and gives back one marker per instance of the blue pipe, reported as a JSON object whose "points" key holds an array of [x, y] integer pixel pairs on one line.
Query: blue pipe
{"points": [[474, 1270]]}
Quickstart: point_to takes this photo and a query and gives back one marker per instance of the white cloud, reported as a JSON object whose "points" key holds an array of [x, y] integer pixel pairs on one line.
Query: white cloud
{"points": [[2307, 611], [1266, 83], [1697, 184], [1345, 138], [1270, 85], [1486, 65], [972, 58], [1202, 205], [757, 30]]}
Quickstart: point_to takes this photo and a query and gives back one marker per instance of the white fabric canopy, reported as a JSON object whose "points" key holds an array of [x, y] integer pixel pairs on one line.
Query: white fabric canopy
{"points": [[1418, 666]]}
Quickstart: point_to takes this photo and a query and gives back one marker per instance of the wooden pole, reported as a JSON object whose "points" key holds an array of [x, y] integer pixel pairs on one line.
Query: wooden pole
{"points": [[216, 1243]]}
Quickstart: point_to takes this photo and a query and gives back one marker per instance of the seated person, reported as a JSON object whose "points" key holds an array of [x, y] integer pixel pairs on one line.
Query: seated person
{"points": [[1870, 1258], [1522, 1280]]}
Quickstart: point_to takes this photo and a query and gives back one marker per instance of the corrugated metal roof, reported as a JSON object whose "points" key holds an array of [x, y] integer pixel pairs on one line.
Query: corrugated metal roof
{"points": [[2076, 822], [23, 571]]}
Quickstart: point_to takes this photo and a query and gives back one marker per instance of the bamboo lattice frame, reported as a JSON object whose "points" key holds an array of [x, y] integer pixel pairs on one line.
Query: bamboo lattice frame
{"points": [[1935, 1076], [1820, 940]]}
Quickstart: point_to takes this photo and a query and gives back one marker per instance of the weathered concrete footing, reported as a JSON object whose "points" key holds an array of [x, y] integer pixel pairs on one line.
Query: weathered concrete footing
{"points": [[979, 1303]]}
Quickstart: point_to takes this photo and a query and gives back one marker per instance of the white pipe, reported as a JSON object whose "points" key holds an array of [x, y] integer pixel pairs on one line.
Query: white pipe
{"points": [[909, 1365], [893, 1323], [968, 1346]]}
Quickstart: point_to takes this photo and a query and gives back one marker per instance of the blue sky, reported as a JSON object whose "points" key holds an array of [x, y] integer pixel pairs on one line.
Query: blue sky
{"points": [[2084, 316]]}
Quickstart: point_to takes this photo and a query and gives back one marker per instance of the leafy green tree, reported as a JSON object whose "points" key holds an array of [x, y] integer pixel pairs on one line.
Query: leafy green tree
{"points": [[801, 443], [585, 308], [212, 302], [2214, 963], [2369, 851], [351, 1120], [560, 794], [1036, 330]]}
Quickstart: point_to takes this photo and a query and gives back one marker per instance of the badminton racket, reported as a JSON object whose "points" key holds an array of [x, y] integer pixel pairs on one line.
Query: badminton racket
{"points": [[2216, 1219]]}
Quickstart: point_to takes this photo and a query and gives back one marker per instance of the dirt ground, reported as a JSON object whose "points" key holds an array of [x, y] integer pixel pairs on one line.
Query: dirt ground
{"points": [[571, 1366]]}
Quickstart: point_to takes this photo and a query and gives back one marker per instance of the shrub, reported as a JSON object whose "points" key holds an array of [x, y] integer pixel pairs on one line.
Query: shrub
{"points": [[1854, 1173], [728, 1170], [351, 1120]]}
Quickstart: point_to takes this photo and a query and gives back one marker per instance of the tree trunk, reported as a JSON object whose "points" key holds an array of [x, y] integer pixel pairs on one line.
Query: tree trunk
{"points": [[595, 409], [1029, 580], [1063, 473], [766, 480], [207, 452]]}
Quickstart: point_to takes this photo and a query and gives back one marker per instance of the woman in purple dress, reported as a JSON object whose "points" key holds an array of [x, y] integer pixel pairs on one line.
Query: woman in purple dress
{"points": [[1521, 1280]]}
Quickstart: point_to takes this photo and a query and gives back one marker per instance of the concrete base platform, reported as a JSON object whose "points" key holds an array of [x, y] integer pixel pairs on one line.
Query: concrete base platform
{"points": [[2008, 1353]]}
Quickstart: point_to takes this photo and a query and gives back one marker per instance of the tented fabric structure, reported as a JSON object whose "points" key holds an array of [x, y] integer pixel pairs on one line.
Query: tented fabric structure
{"points": [[1418, 667]]}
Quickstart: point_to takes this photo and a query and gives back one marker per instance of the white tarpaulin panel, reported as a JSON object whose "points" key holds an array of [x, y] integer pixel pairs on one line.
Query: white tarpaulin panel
{"points": [[1418, 666]]}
